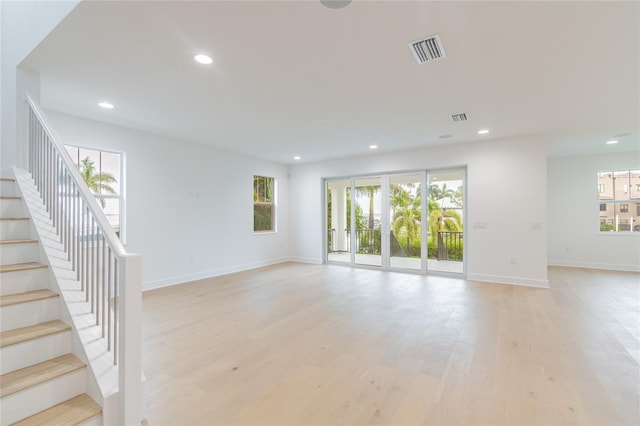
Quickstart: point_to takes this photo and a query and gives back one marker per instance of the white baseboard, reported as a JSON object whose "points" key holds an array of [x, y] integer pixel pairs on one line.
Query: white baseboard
{"points": [[499, 279], [311, 260], [591, 265], [183, 279]]}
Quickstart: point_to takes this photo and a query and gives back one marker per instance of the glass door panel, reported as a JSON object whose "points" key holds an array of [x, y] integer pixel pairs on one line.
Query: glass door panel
{"points": [[445, 238], [339, 220], [367, 243], [405, 221]]}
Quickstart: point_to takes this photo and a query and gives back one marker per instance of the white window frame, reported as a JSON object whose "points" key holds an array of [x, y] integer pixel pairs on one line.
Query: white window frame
{"points": [[274, 204], [616, 203], [122, 186]]}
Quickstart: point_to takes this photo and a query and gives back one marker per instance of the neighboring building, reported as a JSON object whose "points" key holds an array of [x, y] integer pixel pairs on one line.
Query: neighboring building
{"points": [[619, 196]]}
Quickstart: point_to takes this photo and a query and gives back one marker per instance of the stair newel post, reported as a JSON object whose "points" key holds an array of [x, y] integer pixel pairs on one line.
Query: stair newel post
{"points": [[129, 337]]}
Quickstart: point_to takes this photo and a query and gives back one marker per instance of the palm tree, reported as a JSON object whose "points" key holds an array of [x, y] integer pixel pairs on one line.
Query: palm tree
{"points": [[97, 182], [398, 198], [456, 199], [409, 218], [439, 194], [369, 191], [449, 220]]}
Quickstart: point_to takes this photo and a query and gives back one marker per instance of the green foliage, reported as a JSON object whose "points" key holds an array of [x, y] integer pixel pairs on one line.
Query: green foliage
{"points": [[98, 183], [607, 227], [447, 220], [263, 194], [263, 189], [262, 217], [455, 251], [438, 193], [456, 198], [329, 218], [369, 241], [361, 220], [370, 192]]}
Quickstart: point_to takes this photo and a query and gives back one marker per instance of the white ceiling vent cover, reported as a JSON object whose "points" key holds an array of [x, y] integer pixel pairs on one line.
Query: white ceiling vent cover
{"points": [[428, 49]]}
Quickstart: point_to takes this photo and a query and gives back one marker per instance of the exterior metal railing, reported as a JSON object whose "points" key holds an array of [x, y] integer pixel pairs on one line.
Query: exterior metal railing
{"points": [[109, 277], [450, 245]]}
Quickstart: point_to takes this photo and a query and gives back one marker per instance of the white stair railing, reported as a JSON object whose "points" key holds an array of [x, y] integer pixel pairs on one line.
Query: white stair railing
{"points": [[110, 277]]}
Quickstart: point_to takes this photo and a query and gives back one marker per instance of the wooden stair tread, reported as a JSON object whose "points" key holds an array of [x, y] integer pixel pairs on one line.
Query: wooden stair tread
{"points": [[29, 296], [14, 218], [22, 334], [11, 197], [7, 180], [21, 267], [70, 412], [27, 377], [17, 241]]}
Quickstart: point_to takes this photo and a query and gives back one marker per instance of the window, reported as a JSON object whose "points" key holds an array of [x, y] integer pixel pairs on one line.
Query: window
{"points": [[264, 206], [616, 190], [103, 172]]}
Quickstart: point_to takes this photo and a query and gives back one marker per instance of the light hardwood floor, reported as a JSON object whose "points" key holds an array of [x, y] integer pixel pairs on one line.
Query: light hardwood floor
{"points": [[297, 344]]}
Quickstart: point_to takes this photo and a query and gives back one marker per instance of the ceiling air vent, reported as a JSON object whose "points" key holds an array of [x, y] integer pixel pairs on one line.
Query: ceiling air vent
{"points": [[428, 49], [459, 117]]}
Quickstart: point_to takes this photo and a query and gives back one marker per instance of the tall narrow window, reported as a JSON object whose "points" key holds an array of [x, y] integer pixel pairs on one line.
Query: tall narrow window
{"points": [[264, 206]]}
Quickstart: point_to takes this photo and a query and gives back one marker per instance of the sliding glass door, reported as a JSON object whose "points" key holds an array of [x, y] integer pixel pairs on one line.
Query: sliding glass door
{"points": [[446, 221], [339, 220], [405, 221], [367, 237], [402, 221]]}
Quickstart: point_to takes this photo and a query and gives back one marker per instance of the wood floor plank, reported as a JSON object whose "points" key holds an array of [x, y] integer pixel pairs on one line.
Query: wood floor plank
{"points": [[68, 413], [24, 378], [322, 344], [30, 296], [23, 334]]}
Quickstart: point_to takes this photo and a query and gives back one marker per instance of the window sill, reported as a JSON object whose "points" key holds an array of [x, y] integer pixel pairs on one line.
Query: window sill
{"points": [[264, 232]]}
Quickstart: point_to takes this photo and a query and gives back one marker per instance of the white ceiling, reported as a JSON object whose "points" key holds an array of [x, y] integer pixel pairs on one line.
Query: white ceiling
{"points": [[296, 78]]}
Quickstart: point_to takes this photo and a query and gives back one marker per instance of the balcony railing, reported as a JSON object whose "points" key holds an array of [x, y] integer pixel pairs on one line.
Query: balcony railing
{"points": [[450, 245], [368, 241]]}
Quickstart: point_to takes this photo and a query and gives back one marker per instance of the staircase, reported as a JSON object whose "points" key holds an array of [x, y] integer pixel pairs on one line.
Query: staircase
{"points": [[41, 381]]}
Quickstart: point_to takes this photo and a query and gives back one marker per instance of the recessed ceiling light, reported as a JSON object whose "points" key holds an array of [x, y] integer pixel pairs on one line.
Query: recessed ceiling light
{"points": [[483, 131], [203, 59], [373, 146], [105, 104], [612, 142], [297, 157]]}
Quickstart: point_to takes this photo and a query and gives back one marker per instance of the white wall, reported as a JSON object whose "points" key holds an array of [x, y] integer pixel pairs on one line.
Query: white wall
{"points": [[23, 25], [574, 218], [189, 206], [506, 190]]}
